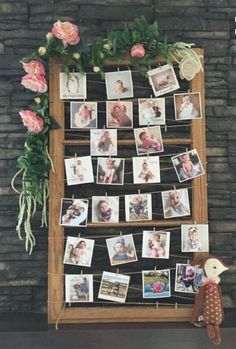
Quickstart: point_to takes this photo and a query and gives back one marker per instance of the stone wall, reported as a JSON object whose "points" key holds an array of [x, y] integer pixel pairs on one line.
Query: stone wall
{"points": [[207, 23]]}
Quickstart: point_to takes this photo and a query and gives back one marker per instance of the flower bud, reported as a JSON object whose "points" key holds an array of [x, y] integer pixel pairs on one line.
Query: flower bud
{"points": [[37, 100], [96, 69], [42, 51], [49, 36], [107, 46], [76, 55]]}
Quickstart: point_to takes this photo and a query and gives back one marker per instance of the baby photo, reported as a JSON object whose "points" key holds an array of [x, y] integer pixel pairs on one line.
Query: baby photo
{"points": [[110, 171], [83, 115], [79, 170], [188, 279], [119, 114], [121, 249], [148, 140], [152, 111], [175, 203], [156, 244], [103, 142], [105, 209], [187, 165], [138, 207], [79, 251], [156, 283], [163, 80], [146, 169], [78, 288], [194, 238], [74, 212], [114, 287], [119, 84], [187, 106], [73, 86]]}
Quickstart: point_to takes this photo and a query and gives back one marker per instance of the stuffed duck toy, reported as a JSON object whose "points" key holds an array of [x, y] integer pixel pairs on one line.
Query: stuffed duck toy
{"points": [[208, 309]]}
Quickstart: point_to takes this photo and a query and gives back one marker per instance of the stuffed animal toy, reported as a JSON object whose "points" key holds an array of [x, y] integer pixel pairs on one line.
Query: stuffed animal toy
{"points": [[208, 309]]}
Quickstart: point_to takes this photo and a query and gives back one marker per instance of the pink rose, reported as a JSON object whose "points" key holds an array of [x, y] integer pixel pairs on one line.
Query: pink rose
{"points": [[34, 67], [137, 51], [33, 122], [67, 32], [35, 83]]}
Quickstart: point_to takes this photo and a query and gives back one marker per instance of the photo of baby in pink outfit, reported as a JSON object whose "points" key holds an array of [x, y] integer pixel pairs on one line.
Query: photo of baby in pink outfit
{"points": [[148, 140]]}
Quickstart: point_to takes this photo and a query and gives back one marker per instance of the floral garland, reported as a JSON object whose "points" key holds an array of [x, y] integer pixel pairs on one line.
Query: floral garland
{"points": [[140, 39]]}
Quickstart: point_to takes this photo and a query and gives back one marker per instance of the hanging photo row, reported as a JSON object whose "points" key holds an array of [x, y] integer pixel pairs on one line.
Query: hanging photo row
{"points": [[114, 286]]}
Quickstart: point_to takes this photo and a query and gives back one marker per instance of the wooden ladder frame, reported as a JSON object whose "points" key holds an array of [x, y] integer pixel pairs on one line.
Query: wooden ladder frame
{"points": [[124, 313]]}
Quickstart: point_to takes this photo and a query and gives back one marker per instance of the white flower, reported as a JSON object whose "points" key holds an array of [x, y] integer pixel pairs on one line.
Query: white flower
{"points": [[188, 68]]}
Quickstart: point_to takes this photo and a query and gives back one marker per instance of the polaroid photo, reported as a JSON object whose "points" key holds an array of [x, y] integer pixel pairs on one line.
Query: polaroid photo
{"points": [[156, 244], [79, 170], [121, 249], [151, 111], [119, 114], [79, 251], [103, 142], [79, 288], [148, 140], [73, 86], [175, 203], [156, 283], [146, 169], [119, 84], [74, 212], [138, 207], [163, 80], [110, 171], [187, 165], [105, 209], [187, 106], [83, 115], [114, 287], [188, 279], [194, 238]]}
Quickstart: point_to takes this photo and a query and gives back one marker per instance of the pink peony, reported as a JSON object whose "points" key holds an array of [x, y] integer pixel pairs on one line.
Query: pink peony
{"points": [[137, 51], [33, 122], [34, 67], [35, 83], [67, 32]]}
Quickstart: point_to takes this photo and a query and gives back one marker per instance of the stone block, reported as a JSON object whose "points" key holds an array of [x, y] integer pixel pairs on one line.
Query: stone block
{"points": [[115, 12], [227, 124], [222, 226], [233, 203], [218, 167], [216, 93], [215, 151]]}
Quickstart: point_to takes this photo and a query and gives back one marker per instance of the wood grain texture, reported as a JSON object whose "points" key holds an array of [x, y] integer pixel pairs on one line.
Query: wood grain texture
{"points": [[55, 246]]}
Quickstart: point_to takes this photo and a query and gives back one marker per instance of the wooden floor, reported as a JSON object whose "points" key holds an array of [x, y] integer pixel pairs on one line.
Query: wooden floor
{"points": [[27, 331]]}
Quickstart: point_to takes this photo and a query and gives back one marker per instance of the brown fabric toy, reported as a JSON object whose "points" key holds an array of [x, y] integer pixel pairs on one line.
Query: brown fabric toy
{"points": [[208, 309]]}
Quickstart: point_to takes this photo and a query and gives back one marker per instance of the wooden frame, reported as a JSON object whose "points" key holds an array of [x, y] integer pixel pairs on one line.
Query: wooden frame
{"points": [[124, 313]]}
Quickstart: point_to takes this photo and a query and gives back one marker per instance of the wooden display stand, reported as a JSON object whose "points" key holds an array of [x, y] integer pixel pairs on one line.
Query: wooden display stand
{"points": [[122, 313]]}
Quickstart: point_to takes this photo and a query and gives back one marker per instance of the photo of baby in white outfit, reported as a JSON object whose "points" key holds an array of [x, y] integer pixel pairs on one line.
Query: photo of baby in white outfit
{"points": [[187, 106]]}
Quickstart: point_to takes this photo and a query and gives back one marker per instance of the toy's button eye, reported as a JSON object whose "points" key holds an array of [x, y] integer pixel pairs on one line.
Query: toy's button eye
{"points": [[214, 267]]}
